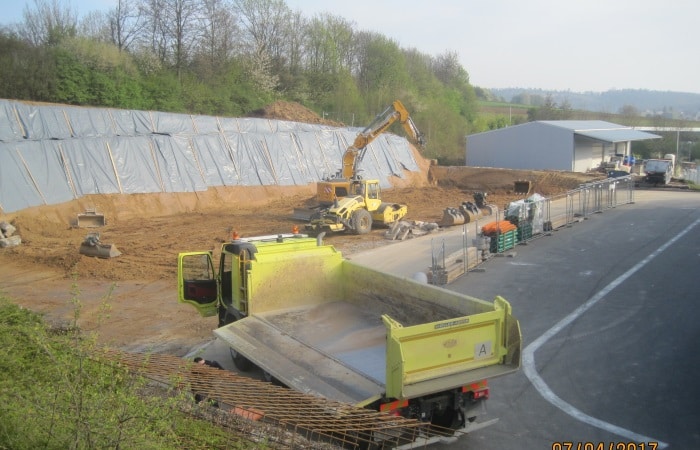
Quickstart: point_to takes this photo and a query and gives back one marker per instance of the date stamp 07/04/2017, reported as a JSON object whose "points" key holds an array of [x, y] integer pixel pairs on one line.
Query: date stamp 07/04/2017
{"points": [[605, 445]]}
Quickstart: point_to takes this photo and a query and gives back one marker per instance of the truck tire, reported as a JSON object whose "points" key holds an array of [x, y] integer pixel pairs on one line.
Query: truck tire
{"points": [[449, 418], [361, 221], [241, 362]]}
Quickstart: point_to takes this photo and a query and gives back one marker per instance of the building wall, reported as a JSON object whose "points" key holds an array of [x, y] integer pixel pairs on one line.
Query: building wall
{"points": [[588, 153], [533, 145]]}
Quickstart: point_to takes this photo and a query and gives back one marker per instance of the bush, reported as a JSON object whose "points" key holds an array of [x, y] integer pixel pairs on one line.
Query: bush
{"points": [[57, 393]]}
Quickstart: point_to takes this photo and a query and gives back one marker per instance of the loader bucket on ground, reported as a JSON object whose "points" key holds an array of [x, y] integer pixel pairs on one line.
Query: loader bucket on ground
{"points": [[91, 219], [522, 187], [99, 250]]}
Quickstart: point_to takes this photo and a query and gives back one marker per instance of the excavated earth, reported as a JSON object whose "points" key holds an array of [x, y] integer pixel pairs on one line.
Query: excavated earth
{"points": [[130, 301]]}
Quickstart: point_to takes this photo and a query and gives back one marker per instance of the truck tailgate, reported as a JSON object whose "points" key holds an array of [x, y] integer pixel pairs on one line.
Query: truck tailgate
{"points": [[334, 350], [432, 357]]}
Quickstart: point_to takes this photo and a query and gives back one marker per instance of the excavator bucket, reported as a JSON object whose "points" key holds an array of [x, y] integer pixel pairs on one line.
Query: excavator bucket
{"points": [[452, 217], [91, 219], [489, 209], [100, 250], [92, 246], [522, 187]]}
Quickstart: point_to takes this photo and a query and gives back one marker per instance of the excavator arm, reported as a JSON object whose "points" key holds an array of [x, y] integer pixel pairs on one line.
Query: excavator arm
{"points": [[396, 111]]}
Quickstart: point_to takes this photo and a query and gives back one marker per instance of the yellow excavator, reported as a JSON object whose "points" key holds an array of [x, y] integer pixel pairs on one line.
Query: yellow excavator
{"points": [[349, 203], [339, 185]]}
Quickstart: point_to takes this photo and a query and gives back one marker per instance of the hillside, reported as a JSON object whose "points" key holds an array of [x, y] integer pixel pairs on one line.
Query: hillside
{"points": [[672, 104]]}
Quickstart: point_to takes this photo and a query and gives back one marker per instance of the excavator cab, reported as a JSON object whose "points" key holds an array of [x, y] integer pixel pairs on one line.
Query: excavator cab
{"points": [[359, 189]]}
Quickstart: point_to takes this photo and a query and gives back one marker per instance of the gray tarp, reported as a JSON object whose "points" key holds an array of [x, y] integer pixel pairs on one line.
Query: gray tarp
{"points": [[53, 154]]}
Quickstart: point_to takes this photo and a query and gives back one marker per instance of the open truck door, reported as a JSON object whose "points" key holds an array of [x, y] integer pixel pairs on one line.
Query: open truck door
{"points": [[197, 282]]}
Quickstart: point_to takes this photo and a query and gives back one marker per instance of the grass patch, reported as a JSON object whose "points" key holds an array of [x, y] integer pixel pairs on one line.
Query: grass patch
{"points": [[57, 393], [692, 186]]}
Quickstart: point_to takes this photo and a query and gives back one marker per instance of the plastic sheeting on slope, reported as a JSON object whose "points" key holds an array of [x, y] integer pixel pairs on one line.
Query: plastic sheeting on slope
{"points": [[53, 154]]}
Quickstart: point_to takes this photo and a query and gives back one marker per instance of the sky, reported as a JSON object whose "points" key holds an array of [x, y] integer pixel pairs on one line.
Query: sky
{"points": [[576, 45]]}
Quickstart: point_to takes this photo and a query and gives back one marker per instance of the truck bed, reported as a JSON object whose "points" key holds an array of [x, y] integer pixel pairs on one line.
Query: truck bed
{"points": [[336, 350]]}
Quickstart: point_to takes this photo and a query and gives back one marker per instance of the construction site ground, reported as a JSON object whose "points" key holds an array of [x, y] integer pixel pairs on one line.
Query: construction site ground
{"points": [[130, 301]]}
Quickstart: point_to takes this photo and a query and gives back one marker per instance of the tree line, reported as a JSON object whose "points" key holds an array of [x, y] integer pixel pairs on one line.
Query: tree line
{"points": [[229, 58]]}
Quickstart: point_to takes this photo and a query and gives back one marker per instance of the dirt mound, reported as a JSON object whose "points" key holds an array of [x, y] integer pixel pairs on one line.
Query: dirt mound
{"points": [[501, 181], [281, 110]]}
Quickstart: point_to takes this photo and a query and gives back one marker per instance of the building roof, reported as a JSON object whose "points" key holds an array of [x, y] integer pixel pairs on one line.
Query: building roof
{"points": [[601, 130]]}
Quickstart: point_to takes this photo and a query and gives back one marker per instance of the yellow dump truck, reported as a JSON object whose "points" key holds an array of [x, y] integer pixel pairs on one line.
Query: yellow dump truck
{"points": [[321, 324]]}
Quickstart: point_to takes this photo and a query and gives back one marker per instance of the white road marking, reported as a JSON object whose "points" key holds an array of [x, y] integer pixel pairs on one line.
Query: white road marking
{"points": [[530, 368]]}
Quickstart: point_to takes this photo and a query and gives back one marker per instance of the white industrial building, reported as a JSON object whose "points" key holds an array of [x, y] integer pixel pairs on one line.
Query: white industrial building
{"points": [[570, 145]]}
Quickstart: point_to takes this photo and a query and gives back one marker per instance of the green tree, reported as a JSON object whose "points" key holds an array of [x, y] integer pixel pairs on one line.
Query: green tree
{"points": [[381, 69], [73, 80], [26, 72], [234, 58], [550, 110]]}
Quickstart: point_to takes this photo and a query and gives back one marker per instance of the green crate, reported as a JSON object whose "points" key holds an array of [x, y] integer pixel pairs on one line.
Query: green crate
{"points": [[524, 231], [503, 241]]}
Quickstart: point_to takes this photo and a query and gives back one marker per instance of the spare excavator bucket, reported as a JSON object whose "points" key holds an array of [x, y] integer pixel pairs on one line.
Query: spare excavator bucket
{"points": [[489, 209], [452, 217], [91, 219], [92, 246], [522, 187], [100, 250]]}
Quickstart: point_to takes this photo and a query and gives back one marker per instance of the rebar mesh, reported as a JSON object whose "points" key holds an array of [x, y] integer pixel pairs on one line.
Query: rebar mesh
{"points": [[286, 418]]}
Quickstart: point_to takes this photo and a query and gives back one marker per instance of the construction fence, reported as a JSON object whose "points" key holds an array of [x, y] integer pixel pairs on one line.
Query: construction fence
{"points": [[523, 221], [689, 175]]}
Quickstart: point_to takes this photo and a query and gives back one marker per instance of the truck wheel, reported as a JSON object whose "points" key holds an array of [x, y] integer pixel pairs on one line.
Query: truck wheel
{"points": [[361, 221], [241, 362], [449, 418]]}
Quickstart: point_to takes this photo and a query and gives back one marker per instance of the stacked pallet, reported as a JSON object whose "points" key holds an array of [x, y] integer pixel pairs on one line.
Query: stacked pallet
{"points": [[503, 234], [454, 266]]}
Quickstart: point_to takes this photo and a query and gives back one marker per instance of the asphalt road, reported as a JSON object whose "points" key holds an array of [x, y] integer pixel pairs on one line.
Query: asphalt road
{"points": [[610, 327]]}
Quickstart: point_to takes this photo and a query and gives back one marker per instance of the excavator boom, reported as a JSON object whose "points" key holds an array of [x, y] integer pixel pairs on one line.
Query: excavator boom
{"points": [[340, 185], [396, 111]]}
